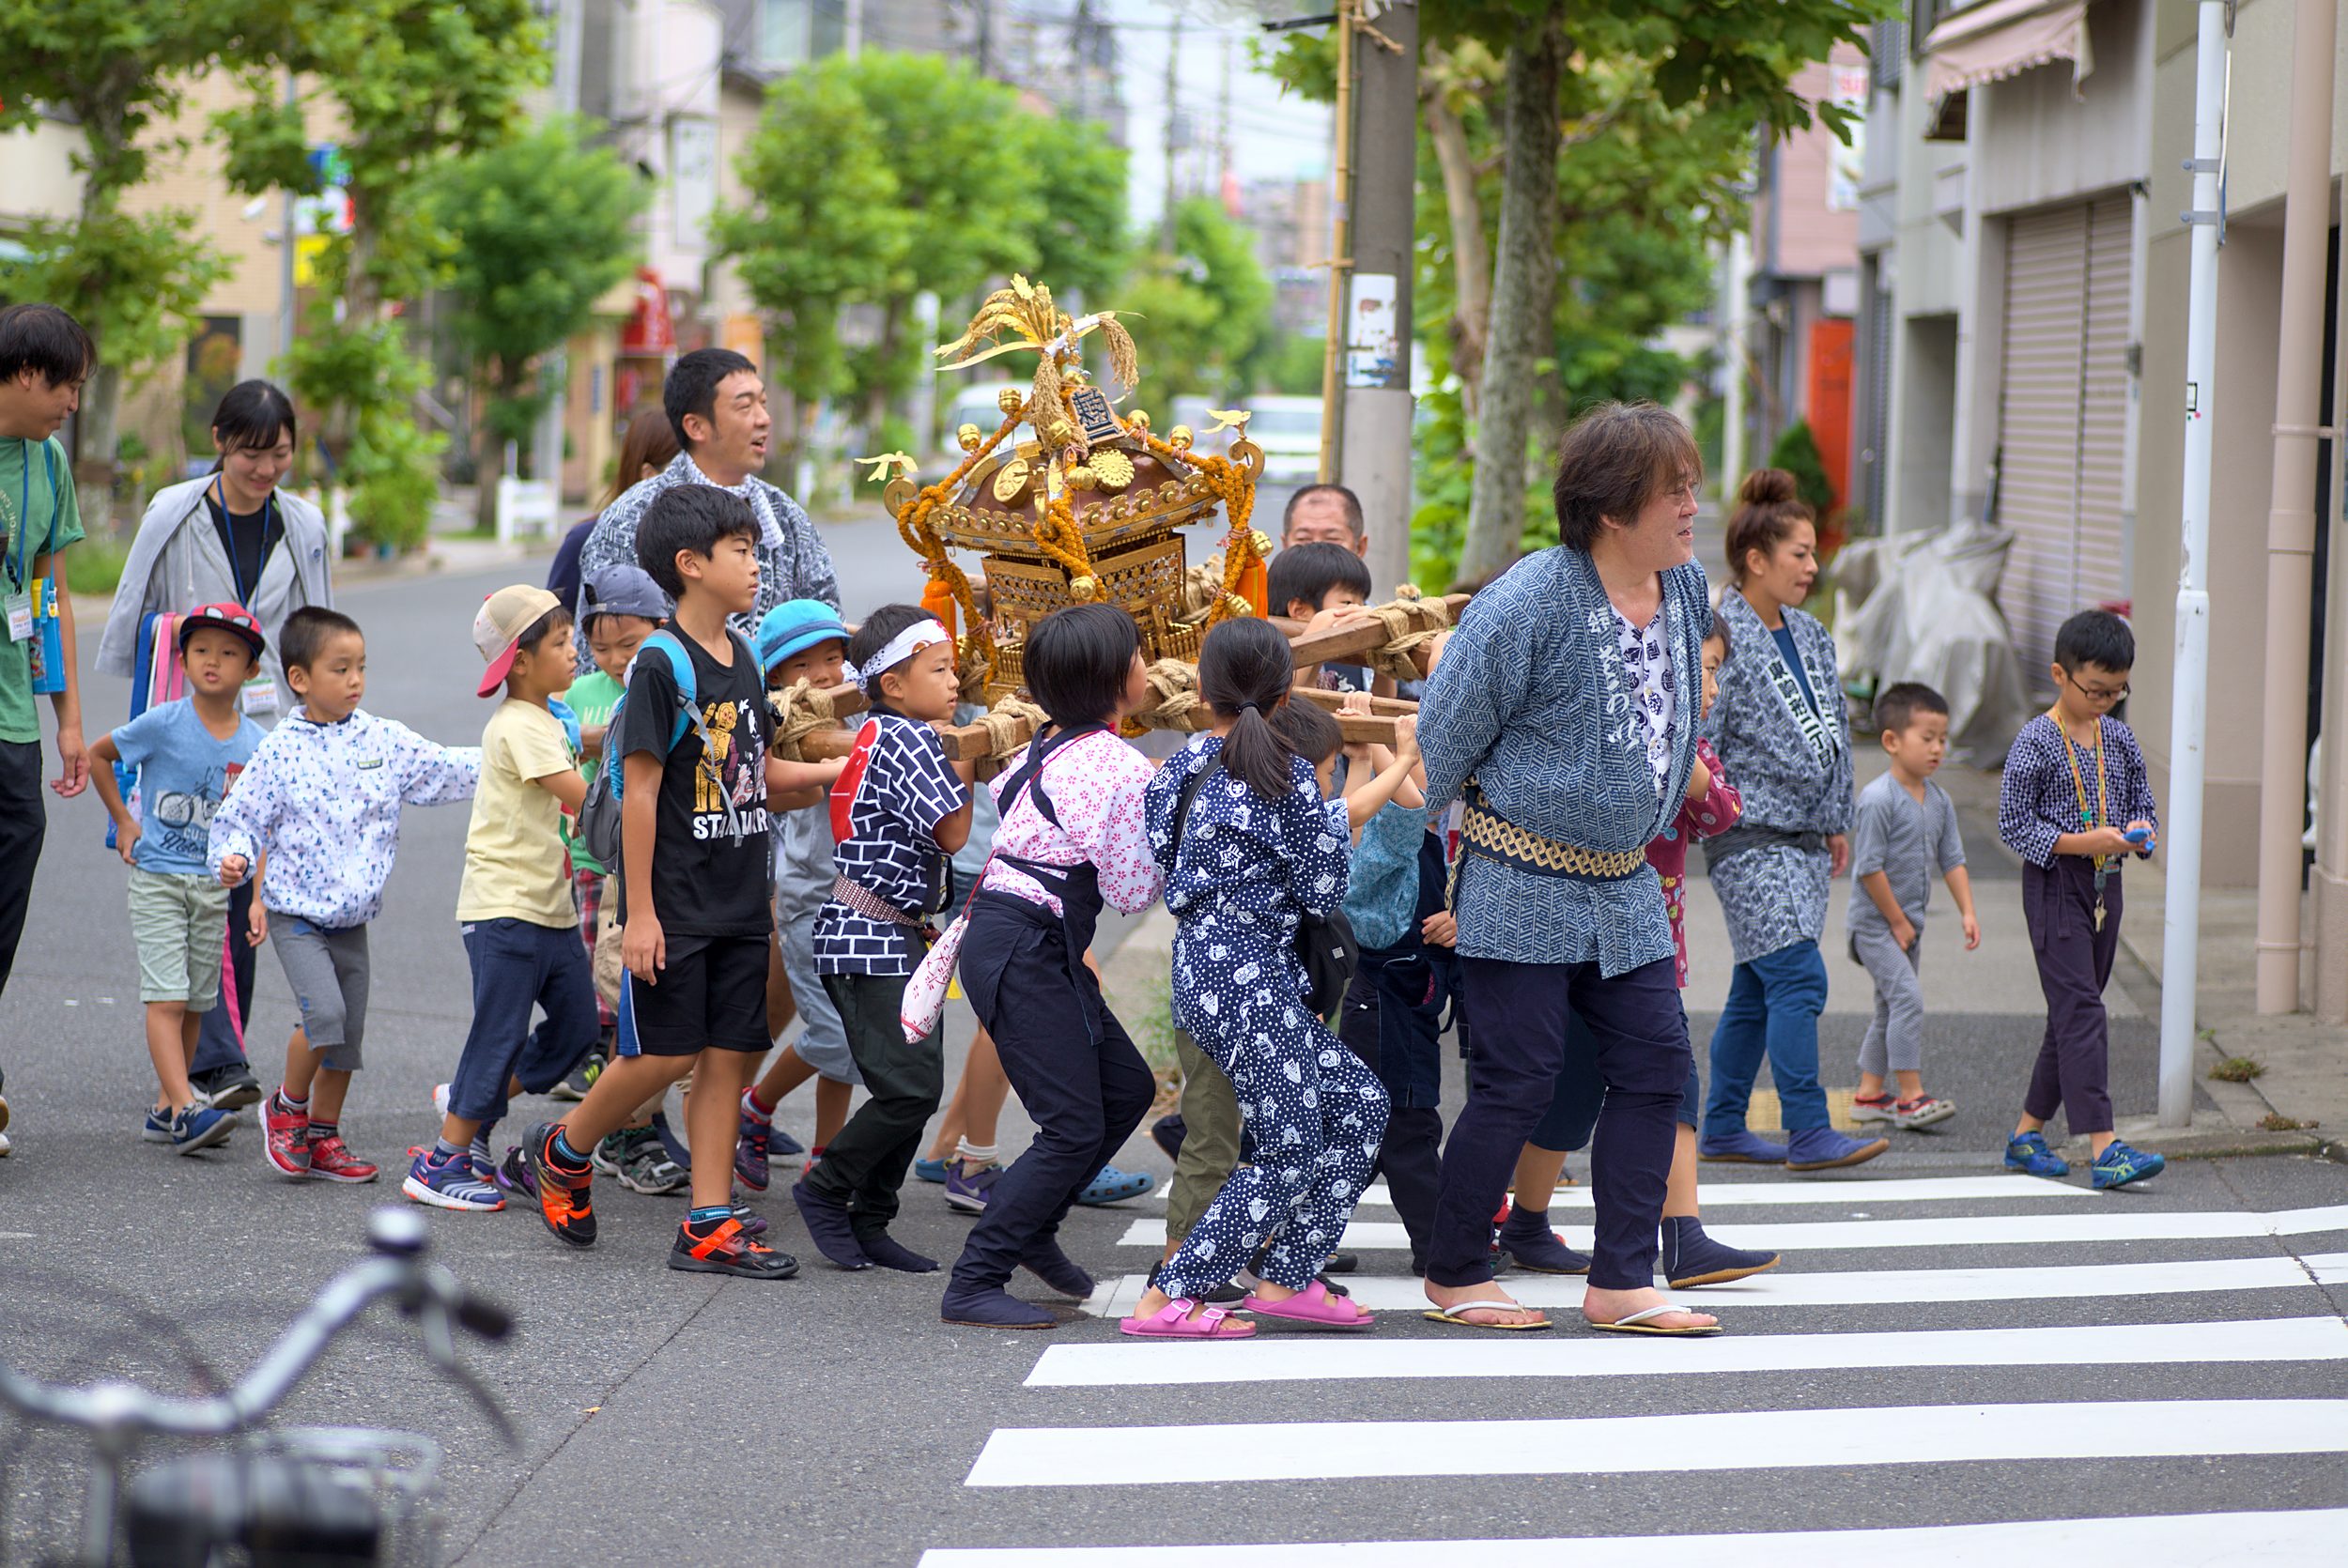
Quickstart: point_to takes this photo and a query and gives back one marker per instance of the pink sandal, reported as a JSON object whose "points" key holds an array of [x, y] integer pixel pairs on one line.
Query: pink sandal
{"points": [[1173, 1321], [1313, 1305]]}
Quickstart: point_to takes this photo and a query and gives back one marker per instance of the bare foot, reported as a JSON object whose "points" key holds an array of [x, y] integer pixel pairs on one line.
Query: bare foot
{"points": [[1613, 1306], [1451, 1295]]}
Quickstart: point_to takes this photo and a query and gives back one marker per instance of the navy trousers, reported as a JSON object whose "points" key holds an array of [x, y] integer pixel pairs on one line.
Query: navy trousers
{"points": [[516, 966], [1519, 1017], [2074, 1068], [1393, 1021], [219, 1036], [1075, 1067]]}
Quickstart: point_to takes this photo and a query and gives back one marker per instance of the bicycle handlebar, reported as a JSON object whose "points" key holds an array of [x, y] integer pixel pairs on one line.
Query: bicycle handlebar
{"points": [[424, 1291]]}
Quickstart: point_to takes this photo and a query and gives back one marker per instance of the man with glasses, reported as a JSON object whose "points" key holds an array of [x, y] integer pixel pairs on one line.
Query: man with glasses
{"points": [[2075, 802]]}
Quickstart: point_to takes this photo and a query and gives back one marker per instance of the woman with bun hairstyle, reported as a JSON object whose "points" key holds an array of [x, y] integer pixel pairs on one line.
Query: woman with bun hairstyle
{"points": [[1782, 735], [232, 536], [1247, 848]]}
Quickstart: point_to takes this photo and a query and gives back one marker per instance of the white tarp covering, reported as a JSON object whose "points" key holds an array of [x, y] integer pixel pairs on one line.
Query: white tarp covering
{"points": [[1923, 607]]}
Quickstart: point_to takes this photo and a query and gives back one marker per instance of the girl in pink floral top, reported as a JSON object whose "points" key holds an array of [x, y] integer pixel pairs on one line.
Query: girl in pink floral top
{"points": [[1714, 810], [1071, 841]]}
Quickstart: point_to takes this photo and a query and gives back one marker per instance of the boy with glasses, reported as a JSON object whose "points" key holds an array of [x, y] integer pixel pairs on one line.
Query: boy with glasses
{"points": [[2075, 802]]}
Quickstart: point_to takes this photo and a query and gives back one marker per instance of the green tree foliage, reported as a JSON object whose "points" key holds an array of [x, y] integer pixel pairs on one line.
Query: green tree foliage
{"points": [[540, 228], [1797, 453], [413, 83], [135, 281], [1650, 138], [875, 179], [1203, 316]]}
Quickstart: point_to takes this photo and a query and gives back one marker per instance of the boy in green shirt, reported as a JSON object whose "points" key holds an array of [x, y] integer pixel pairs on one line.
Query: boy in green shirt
{"points": [[44, 358]]}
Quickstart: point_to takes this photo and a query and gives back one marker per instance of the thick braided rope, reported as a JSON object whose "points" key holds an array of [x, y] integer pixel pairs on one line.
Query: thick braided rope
{"points": [[1487, 831], [1002, 721], [1405, 636], [798, 713], [1174, 690]]}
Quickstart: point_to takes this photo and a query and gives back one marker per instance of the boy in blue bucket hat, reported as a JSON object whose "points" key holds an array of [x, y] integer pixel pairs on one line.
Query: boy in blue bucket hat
{"points": [[800, 640]]}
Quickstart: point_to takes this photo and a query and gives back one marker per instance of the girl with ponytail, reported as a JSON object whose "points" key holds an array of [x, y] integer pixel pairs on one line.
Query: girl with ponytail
{"points": [[1249, 849]]}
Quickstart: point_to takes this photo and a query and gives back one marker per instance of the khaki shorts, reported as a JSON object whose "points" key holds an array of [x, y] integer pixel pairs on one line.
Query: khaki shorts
{"points": [[181, 923]]}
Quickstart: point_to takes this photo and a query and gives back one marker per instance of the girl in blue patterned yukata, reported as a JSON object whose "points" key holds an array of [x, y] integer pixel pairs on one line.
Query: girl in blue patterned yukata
{"points": [[1248, 847], [1782, 737]]}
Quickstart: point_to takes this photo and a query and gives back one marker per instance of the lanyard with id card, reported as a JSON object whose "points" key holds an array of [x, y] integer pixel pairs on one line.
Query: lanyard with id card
{"points": [[32, 602]]}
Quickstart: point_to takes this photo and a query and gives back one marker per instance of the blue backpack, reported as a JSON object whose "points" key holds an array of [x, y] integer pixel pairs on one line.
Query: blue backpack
{"points": [[599, 812]]}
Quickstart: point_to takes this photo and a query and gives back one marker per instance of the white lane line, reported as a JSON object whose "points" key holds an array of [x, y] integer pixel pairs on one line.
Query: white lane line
{"points": [[1295, 1358], [1971, 1230], [1679, 1444], [2302, 1535], [1878, 1286], [1856, 1191]]}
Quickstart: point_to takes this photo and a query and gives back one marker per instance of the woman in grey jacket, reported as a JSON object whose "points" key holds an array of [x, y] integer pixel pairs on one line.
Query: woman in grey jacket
{"points": [[231, 536]]}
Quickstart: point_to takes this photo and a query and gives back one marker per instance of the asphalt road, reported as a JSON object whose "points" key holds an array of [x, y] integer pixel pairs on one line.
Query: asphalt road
{"points": [[833, 1418]]}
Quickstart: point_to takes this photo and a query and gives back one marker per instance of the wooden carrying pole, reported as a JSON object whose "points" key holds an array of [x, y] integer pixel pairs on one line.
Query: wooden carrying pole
{"points": [[972, 742]]}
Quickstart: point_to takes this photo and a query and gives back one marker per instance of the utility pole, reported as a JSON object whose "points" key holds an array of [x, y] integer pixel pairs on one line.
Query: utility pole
{"points": [[286, 244], [987, 37], [2189, 721], [852, 30], [546, 447], [1340, 259], [1173, 129], [2290, 515], [1080, 50], [1223, 125], [1373, 446]]}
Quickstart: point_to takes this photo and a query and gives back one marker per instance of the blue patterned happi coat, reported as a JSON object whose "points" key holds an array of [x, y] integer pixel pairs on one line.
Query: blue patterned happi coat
{"points": [[1772, 891], [1532, 698]]}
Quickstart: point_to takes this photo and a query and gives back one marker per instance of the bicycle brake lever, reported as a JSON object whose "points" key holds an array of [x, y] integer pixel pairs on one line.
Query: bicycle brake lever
{"points": [[440, 1345]]}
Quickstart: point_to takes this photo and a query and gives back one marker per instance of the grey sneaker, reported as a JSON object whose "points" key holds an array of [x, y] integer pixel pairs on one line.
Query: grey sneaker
{"points": [[634, 1157]]}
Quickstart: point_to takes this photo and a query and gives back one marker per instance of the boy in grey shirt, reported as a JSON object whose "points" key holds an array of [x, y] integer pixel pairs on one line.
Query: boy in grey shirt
{"points": [[1904, 829]]}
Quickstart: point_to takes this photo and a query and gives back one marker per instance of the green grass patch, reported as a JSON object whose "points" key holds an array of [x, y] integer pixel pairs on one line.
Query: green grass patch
{"points": [[95, 566], [2237, 1069]]}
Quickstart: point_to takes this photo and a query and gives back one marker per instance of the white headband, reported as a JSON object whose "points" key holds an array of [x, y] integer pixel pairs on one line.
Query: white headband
{"points": [[921, 635]]}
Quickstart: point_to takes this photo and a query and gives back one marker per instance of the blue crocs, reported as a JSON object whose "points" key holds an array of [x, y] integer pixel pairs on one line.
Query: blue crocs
{"points": [[930, 1170], [2119, 1164], [1740, 1147], [2028, 1152], [1114, 1185]]}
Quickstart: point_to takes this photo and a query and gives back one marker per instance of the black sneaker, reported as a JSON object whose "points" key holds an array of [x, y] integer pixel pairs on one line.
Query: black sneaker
{"points": [[726, 1250], [582, 1078], [229, 1087]]}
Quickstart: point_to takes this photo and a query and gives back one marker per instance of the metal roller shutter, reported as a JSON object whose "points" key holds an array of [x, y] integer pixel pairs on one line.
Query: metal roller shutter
{"points": [[2062, 416]]}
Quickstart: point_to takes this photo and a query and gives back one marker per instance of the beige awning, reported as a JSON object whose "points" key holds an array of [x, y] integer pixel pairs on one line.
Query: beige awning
{"points": [[1990, 42]]}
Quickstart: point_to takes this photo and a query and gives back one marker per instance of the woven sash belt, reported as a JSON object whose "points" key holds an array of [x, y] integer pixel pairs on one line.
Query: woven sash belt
{"points": [[862, 899], [1484, 831]]}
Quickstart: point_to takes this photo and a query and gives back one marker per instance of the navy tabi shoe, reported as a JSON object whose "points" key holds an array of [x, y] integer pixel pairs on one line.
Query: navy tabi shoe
{"points": [[826, 1221], [1691, 1258], [1526, 1237], [993, 1309]]}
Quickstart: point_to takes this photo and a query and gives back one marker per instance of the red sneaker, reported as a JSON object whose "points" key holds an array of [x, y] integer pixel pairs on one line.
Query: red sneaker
{"points": [[286, 1145], [330, 1159]]}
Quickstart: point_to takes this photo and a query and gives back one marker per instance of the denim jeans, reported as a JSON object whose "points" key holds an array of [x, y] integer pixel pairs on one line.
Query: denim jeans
{"points": [[1773, 1008]]}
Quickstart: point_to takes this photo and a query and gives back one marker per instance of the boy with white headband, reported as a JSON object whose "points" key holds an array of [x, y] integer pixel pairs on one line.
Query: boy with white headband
{"points": [[898, 811]]}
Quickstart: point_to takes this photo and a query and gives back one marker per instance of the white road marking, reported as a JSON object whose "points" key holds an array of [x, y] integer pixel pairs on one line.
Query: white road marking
{"points": [[1875, 1286], [2113, 1224], [2302, 1535], [1298, 1359], [1674, 1444], [1830, 1190]]}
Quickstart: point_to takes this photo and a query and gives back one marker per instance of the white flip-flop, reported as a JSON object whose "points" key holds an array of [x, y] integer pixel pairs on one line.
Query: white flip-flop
{"points": [[1637, 1322], [1451, 1315]]}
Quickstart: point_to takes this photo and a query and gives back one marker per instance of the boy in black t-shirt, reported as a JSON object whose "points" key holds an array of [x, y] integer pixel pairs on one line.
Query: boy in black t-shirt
{"points": [[692, 875]]}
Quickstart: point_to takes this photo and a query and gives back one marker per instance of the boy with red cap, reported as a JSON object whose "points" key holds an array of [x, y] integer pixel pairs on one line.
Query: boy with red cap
{"points": [[189, 754], [515, 907]]}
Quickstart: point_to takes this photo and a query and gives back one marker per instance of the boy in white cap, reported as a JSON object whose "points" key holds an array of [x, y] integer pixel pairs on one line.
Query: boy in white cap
{"points": [[513, 907]]}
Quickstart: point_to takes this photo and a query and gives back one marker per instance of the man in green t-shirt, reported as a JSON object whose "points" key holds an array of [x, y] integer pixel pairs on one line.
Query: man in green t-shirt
{"points": [[44, 357]]}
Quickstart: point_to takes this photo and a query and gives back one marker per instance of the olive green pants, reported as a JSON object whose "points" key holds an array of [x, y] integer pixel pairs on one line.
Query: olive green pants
{"points": [[1210, 1139]]}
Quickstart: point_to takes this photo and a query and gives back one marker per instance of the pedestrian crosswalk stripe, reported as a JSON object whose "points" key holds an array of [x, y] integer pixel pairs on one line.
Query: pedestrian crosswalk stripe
{"points": [[1830, 1190], [1880, 1286], [1676, 1444], [1982, 1230], [2300, 1535], [1294, 1358]]}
